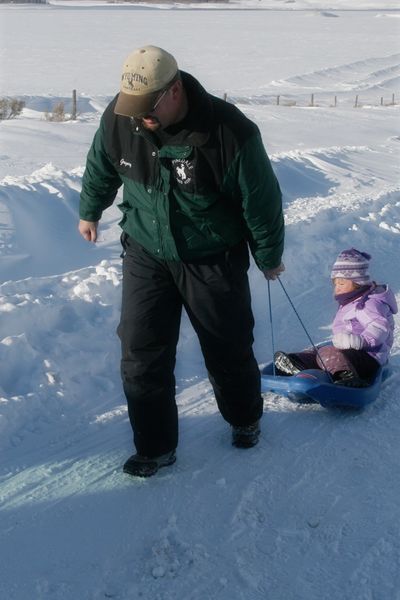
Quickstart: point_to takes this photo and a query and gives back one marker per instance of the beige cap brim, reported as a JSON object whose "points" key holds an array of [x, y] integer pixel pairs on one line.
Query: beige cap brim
{"points": [[129, 105]]}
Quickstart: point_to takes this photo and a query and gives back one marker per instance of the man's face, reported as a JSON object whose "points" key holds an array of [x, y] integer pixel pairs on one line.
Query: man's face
{"points": [[166, 109], [151, 121]]}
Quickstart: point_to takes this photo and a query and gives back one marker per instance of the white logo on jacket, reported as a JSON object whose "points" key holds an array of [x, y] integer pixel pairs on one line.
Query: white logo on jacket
{"points": [[183, 170], [124, 163]]}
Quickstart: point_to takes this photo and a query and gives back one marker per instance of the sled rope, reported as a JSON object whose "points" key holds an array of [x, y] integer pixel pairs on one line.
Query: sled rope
{"points": [[302, 324], [272, 327]]}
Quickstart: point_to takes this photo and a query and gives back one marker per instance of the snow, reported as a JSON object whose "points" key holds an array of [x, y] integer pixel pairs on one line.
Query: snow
{"points": [[312, 512]]}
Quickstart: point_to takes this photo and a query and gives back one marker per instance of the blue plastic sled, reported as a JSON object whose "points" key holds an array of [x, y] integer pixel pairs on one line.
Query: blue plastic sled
{"points": [[315, 386]]}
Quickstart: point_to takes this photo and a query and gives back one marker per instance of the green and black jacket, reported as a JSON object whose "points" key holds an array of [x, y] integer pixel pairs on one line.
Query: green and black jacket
{"points": [[193, 190]]}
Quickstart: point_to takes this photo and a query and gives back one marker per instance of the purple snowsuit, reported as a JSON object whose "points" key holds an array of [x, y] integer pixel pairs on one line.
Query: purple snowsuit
{"points": [[371, 317]]}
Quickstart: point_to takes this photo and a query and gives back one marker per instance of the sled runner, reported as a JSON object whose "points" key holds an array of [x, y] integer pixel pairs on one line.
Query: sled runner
{"points": [[314, 386]]}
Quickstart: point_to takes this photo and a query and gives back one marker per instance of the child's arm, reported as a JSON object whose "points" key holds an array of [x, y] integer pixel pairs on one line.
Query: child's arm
{"points": [[374, 320], [368, 328]]}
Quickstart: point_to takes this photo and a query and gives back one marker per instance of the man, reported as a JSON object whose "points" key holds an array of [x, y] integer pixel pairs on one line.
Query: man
{"points": [[198, 191]]}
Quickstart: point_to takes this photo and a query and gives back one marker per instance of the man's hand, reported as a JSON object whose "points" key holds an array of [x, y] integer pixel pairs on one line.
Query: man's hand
{"points": [[272, 274], [88, 230]]}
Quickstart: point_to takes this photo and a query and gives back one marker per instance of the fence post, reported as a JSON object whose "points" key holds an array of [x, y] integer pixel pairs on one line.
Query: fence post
{"points": [[225, 96], [73, 114], [335, 102], [278, 99], [393, 99], [312, 100], [381, 100], [356, 102]]}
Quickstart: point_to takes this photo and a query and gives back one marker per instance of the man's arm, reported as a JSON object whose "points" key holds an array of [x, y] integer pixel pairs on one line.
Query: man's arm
{"points": [[100, 184], [262, 207]]}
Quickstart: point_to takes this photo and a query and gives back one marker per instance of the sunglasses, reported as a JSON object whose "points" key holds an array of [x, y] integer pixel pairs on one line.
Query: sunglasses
{"points": [[150, 112]]}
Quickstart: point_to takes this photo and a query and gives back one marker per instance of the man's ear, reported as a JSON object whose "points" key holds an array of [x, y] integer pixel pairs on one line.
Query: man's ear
{"points": [[176, 89]]}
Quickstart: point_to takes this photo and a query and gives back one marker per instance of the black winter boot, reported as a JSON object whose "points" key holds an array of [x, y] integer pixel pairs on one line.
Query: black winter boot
{"points": [[246, 436], [287, 364], [349, 379], [142, 466]]}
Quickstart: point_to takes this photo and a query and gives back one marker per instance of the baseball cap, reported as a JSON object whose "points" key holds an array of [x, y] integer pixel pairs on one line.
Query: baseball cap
{"points": [[146, 71]]}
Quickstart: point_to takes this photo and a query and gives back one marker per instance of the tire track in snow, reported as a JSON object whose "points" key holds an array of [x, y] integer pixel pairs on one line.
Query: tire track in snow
{"points": [[359, 75]]}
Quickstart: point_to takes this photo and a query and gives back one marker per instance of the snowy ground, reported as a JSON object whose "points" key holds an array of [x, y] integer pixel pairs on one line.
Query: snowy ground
{"points": [[311, 513]]}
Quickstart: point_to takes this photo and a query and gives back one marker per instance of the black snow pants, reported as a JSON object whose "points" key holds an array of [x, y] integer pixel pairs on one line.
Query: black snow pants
{"points": [[216, 296]]}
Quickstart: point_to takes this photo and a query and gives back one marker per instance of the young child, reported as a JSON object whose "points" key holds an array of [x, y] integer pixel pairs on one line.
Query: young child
{"points": [[362, 328]]}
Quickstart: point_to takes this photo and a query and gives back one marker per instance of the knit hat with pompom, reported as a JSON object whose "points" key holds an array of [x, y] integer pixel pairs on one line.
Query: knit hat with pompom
{"points": [[352, 264]]}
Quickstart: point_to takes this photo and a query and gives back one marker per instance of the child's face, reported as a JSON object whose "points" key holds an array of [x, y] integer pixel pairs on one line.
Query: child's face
{"points": [[342, 286]]}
